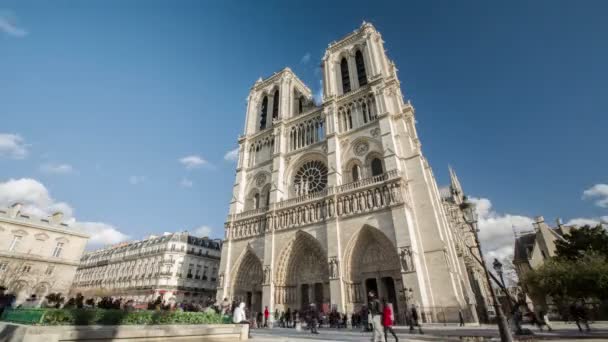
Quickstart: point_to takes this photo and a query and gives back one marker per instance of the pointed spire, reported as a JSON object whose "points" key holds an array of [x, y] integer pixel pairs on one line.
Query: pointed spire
{"points": [[454, 182]]}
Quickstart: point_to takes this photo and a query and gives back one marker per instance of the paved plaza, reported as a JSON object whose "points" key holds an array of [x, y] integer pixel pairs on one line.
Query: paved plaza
{"points": [[562, 332]]}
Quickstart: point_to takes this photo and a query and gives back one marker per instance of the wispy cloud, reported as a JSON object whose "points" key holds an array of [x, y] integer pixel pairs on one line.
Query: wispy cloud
{"points": [[305, 59], [58, 169], [134, 180], [600, 193], [232, 155], [192, 161], [37, 201], [9, 26], [202, 231], [13, 146], [186, 183]]}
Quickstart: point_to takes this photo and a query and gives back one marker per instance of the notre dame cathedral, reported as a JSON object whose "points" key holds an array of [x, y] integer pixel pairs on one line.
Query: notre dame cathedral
{"points": [[334, 200]]}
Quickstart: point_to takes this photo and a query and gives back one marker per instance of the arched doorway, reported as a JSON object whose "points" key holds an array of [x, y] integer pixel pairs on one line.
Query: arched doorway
{"points": [[302, 274], [372, 264], [247, 281]]}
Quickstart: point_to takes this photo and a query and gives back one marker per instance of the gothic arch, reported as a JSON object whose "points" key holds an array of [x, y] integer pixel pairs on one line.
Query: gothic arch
{"points": [[369, 250], [302, 254], [247, 273], [297, 164]]}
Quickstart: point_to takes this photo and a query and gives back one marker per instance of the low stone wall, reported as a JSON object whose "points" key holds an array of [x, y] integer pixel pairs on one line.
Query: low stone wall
{"points": [[11, 332]]}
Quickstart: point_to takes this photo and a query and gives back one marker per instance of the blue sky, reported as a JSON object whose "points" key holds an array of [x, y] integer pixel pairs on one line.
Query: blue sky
{"points": [[99, 101]]}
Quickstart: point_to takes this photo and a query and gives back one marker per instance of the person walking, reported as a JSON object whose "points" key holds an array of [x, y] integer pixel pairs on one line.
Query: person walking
{"points": [[414, 320], [239, 317], [387, 321], [314, 318], [266, 315], [461, 318], [580, 315], [374, 311]]}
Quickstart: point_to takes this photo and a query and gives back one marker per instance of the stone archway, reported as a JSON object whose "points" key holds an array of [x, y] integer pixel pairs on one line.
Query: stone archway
{"points": [[247, 281], [372, 264], [302, 274]]}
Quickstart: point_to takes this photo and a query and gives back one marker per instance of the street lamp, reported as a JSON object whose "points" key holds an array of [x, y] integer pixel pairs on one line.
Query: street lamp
{"points": [[470, 216], [498, 268]]}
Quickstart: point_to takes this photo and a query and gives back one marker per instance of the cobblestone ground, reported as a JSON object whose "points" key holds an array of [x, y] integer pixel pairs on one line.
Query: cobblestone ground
{"points": [[562, 332]]}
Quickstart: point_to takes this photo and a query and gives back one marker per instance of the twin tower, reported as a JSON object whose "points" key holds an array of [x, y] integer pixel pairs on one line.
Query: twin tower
{"points": [[334, 200]]}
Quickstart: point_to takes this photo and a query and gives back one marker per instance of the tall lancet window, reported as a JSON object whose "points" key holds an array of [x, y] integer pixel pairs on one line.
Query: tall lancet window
{"points": [[361, 75], [345, 76], [275, 105], [263, 112], [300, 104]]}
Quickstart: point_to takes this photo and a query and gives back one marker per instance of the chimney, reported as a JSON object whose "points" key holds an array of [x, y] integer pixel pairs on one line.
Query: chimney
{"points": [[56, 218], [15, 209]]}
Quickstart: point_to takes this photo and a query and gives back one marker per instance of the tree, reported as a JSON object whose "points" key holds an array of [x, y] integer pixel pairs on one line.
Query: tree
{"points": [[582, 241], [566, 279]]}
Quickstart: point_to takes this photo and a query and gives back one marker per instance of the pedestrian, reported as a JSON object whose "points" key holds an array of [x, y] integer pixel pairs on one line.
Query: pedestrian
{"points": [[543, 319], [239, 317], [288, 316], [580, 315], [387, 321], [414, 320], [461, 318], [314, 317], [266, 315], [376, 321]]}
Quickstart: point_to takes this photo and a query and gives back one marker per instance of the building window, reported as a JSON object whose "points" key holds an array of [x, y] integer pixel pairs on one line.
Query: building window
{"points": [[361, 75], [376, 167], [173, 247], [263, 113], [256, 201], [49, 270], [58, 249], [3, 266], [197, 275], [275, 105], [300, 104], [190, 267], [27, 268], [267, 198], [355, 173], [345, 76], [15, 243]]}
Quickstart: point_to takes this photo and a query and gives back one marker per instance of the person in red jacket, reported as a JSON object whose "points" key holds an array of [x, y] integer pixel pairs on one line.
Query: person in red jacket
{"points": [[266, 314], [387, 320]]}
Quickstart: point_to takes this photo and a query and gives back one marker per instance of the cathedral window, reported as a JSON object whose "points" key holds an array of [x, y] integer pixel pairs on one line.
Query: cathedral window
{"points": [[310, 178], [267, 197], [275, 105], [377, 167], [263, 113], [355, 173], [361, 75], [300, 104], [345, 76], [256, 201]]}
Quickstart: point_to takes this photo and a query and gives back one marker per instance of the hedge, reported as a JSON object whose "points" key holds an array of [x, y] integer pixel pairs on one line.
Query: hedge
{"points": [[110, 317]]}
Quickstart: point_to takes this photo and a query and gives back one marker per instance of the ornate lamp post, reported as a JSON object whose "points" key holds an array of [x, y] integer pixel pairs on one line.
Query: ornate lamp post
{"points": [[498, 268], [470, 217]]}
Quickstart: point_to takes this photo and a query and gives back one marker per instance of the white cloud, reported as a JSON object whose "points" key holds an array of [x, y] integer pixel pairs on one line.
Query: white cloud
{"points": [[192, 161], [232, 155], [37, 201], [12, 145], [202, 231], [134, 180], [305, 59], [600, 192], [60, 169], [8, 25], [496, 229], [318, 95], [186, 183]]}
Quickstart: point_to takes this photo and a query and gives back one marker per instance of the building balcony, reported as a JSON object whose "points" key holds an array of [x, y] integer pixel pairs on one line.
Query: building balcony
{"points": [[362, 196]]}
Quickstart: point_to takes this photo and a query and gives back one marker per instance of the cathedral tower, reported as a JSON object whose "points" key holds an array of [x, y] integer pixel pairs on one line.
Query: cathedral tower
{"points": [[335, 200]]}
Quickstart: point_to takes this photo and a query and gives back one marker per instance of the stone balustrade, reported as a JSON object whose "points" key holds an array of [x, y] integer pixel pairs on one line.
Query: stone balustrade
{"points": [[362, 196]]}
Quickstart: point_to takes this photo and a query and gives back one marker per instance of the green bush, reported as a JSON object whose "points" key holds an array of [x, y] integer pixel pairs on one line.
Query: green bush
{"points": [[120, 317]]}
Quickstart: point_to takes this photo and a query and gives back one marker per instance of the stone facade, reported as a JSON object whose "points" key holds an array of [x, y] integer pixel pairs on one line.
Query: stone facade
{"points": [[37, 255], [177, 266], [332, 201]]}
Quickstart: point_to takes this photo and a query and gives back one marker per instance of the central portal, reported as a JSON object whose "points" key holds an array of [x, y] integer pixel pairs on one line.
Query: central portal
{"points": [[303, 266]]}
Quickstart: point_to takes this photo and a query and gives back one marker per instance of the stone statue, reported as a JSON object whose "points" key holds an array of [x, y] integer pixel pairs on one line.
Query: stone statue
{"points": [[405, 257], [267, 275]]}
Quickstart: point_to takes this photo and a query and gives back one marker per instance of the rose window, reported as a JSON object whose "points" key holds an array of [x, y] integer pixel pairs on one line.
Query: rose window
{"points": [[311, 177]]}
